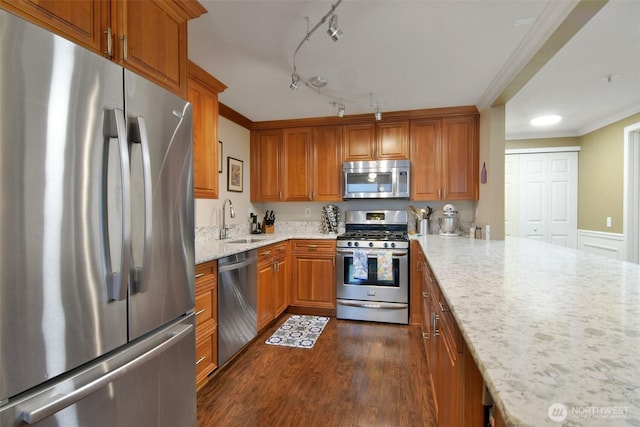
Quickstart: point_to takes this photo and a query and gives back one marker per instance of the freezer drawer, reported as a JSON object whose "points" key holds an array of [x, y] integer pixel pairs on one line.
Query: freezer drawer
{"points": [[149, 383]]}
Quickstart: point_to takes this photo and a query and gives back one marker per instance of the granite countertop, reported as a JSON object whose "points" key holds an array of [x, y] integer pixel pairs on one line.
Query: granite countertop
{"points": [[547, 326], [214, 249]]}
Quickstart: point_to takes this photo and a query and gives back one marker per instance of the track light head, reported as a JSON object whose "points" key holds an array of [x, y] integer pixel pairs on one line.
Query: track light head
{"points": [[295, 82], [334, 32], [378, 115], [340, 110]]}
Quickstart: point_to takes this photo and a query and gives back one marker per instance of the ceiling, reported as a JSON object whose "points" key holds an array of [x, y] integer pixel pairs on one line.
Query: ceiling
{"points": [[399, 55]]}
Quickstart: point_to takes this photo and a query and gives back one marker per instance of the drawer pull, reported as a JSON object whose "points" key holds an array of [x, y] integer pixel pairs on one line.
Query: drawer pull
{"points": [[199, 275], [425, 294], [442, 307], [312, 247], [425, 335], [202, 359], [201, 311]]}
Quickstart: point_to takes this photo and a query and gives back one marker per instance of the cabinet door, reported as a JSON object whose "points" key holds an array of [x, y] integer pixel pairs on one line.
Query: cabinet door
{"points": [[392, 141], [296, 164], [205, 140], [313, 273], [327, 163], [82, 21], [265, 165], [359, 142], [460, 158], [265, 291], [280, 286], [425, 159], [154, 41]]}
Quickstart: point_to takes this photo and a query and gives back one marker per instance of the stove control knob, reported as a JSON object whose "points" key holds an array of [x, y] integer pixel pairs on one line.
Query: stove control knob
{"points": [[386, 245], [349, 244], [356, 244], [370, 244]]}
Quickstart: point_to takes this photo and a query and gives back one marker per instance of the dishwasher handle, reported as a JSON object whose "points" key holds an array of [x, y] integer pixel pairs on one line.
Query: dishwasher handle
{"points": [[251, 258]]}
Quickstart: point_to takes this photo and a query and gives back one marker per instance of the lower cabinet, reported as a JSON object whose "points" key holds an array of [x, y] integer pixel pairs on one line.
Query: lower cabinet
{"points": [[455, 379], [313, 274], [206, 292], [273, 282]]}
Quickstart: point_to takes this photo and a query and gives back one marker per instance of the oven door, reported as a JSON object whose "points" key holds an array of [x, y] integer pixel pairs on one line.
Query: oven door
{"points": [[383, 277]]}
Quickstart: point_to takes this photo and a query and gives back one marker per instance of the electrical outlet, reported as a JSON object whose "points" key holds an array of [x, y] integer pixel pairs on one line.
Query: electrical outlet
{"points": [[608, 222], [307, 212]]}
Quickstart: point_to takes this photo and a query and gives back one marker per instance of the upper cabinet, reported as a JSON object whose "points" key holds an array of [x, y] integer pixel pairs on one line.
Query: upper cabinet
{"points": [[444, 158], [203, 90], [265, 165], [296, 164], [148, 37], [381, 141]]}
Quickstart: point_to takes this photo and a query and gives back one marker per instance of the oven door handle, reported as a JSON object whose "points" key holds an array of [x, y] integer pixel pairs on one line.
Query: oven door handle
{"points": [[375, 305], [395, 254]]}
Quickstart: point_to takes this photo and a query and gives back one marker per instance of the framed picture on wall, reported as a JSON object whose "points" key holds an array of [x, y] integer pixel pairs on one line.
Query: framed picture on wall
{"points": [[234, 174], [220, 157]]}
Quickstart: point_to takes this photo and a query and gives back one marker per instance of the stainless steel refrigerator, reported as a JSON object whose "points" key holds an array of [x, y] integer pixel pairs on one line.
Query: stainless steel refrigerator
{"points": [[96, 240]]}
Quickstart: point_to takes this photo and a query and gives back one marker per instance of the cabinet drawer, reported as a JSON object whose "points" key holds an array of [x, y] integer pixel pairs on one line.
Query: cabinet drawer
{"points": [[314, 246], [206, 355], [206, 273], [266, 253], [206, 306], [280, 250]]}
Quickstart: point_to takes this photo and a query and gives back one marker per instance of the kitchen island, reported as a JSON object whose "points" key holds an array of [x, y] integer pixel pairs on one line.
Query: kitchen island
{"points": [[555, 332]]}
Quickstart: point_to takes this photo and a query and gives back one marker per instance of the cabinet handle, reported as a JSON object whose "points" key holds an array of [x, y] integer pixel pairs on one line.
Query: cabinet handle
{"points": [[202, 359], [199, 275], [439, 193], [109, 51], [435, 319], [200, 311], [125, 48], [442, 307], [280, 195], [425, 294], [266, 253], [425, 335], [275, 267], [417, 265]]}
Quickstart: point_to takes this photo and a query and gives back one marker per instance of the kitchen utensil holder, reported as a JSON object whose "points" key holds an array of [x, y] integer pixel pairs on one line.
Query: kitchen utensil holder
{"points": [[268, 229]]}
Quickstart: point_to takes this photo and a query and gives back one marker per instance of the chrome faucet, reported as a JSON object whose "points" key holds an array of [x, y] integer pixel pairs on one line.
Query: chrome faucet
{"points": [[224, 230]]}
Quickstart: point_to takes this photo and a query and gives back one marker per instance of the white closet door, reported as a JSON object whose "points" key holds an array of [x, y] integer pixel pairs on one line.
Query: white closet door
{"points": [[549, 197]]}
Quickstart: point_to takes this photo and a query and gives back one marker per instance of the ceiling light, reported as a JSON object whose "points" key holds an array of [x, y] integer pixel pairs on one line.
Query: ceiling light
{"points": [[334, 32], [295, 82], [545, 120], [318, 81], [377, 114], [340, 110]]}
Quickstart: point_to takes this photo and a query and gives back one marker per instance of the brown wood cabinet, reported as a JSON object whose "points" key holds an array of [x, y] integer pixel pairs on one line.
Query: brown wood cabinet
{"points": [[382, 141], [296, 164], [206, 295], [203, 90], [444, 158], [455, 379], [265, 165], [273, 282], [313, 274], [148, 37], [327, 163]]}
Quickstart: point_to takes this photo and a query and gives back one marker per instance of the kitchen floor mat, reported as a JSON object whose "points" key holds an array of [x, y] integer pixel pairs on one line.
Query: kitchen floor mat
{"points": [[299, 331]]}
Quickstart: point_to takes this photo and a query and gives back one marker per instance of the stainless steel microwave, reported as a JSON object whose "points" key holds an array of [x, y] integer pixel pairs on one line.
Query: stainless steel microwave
{"points": [[376, 179]]}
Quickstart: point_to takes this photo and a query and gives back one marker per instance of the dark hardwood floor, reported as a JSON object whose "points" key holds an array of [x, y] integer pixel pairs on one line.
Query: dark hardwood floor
{"points": [[357, 374]]}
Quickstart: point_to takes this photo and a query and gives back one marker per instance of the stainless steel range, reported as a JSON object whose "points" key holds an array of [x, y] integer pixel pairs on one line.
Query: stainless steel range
{"points": [[372, 267]]}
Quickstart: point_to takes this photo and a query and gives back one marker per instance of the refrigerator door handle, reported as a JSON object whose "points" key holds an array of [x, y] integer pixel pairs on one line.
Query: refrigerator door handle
{"points": [[58, 402], [117, 279], [143, 140]]}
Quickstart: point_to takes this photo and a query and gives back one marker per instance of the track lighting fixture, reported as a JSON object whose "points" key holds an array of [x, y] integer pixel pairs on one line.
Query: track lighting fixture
{"points": [[334, 32], [340, 110], [378, 115], [295, 82]]}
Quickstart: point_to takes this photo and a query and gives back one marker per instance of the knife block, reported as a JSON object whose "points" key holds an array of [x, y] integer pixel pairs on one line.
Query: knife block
{"points": [[268, 229]]}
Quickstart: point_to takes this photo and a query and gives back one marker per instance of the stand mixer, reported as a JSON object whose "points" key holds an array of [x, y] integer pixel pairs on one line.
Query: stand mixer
{"points": [[449, 223]]}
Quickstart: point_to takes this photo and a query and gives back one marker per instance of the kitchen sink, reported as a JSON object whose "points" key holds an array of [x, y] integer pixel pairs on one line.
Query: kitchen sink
{"points": [[248, 240]]}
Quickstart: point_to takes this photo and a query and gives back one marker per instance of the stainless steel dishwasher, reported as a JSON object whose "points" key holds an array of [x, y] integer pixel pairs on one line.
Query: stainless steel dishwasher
{"points": [[237, 301]]}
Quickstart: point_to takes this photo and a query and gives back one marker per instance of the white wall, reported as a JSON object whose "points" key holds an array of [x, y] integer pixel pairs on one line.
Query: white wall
{"points": [[235, 143]]}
